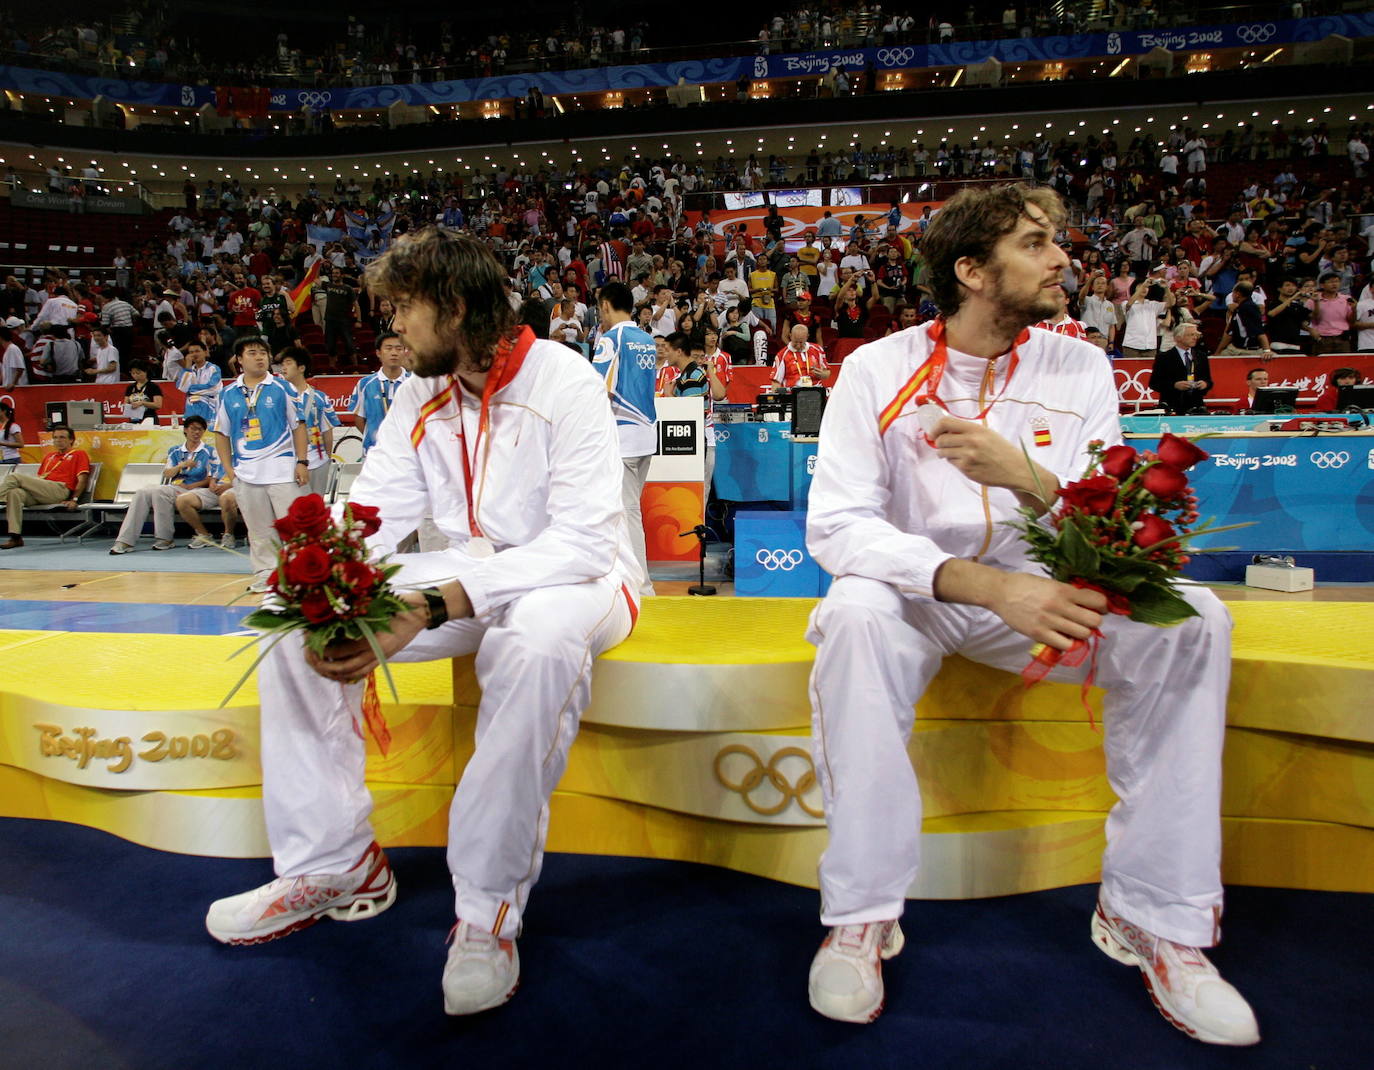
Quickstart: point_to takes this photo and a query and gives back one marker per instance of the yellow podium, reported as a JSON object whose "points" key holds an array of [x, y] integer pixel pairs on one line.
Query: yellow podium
{"points": [[696, 747]]}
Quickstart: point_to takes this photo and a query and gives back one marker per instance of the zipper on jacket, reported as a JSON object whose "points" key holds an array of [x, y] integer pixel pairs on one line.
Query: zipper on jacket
{"points": [[989, 380]]}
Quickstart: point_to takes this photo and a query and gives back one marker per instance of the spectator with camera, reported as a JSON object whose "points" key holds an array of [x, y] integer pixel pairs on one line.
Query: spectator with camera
{"points": [[1144, 310]]}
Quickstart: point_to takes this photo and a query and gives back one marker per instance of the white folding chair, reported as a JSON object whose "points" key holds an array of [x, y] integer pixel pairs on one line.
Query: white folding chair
{"points": [[132, 479], [343, 482]]}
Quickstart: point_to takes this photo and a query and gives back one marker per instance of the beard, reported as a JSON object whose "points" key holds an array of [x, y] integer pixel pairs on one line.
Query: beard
{"points": [[1013, 312], [441, 357]]}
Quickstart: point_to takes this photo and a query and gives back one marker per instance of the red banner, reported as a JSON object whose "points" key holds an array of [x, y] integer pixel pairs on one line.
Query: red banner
{"points": [[1311, 375]]}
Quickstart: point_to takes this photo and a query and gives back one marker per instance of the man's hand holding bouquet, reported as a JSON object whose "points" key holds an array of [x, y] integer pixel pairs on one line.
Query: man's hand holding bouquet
{"points": [[351, 616]]}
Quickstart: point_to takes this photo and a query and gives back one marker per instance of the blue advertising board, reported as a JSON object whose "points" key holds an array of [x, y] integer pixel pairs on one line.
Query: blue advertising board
{"points": [[1300, 493], [771, 559], [760, 462]]}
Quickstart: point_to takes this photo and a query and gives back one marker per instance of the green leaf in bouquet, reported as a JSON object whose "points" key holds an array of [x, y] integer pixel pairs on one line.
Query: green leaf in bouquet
{"points": [[377, 653], [1155, 603], [1128, 573], [1080, 556], [277, 636]]}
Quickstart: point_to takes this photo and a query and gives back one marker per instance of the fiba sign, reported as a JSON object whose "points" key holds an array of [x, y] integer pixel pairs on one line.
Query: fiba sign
{"points": [[677, 438]]}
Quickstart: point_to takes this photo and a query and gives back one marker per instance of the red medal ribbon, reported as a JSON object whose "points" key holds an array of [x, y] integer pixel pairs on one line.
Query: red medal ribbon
{"points": [[1044, 658], [372, 715], [927, 379], [506, 363]]}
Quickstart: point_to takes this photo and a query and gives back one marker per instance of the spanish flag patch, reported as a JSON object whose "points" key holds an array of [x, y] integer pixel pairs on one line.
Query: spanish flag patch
{"points": [[1042, 436]]}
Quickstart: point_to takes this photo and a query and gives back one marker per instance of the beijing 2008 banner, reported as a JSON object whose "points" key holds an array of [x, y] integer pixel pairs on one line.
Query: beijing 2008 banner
{"points": [[1255, 34]]}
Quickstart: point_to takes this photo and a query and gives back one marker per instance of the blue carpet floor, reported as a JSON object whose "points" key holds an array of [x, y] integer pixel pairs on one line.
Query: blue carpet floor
{"points": [[104, 963], [46, 552]]}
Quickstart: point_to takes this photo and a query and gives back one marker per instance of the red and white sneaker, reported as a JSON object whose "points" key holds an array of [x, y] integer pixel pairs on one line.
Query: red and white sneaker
{"points": [[482, 971], [846, 979], [1183, 983], [288, 904]]}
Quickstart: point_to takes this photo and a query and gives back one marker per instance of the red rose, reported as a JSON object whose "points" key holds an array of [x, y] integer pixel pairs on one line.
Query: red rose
{"points": [[1180, 452], [309, 514], [358, 576], [1095, 496], [1164, 481], [1119, 461], [1153, 529], [286, 528], [315, 607], [308, 566], [367, 517]]}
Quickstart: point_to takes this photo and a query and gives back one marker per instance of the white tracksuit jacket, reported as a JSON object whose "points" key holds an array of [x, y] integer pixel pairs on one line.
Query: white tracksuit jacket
{"points": [[885, 512], [559, 591]]}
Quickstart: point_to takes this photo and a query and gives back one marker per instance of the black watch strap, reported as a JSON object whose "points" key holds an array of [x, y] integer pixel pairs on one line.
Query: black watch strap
{"points": [[438, 609]]}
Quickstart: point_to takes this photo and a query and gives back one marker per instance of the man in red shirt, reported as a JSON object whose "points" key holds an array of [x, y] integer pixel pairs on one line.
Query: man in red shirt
{"points": [[260, 263], [243, 306], [804, 315], [800, 362], [62, 477]]}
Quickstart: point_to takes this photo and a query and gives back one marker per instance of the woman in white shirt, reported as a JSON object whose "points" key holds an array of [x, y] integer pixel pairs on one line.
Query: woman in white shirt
{"points": [[1364, 320], [1147, 304], [11, 435], [828, 274]]}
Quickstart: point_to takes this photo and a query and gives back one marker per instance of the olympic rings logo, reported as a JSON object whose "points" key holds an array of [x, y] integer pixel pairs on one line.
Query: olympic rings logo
{"points": [[1131, 385], [646, 361], [722, 434], [895, 57], [312, 99], [1257, 33], [758, 773], [779, 560], [1330, 459]]}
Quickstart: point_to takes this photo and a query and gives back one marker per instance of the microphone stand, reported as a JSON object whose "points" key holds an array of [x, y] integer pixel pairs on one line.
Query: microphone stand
{"points": [[701, 587]]}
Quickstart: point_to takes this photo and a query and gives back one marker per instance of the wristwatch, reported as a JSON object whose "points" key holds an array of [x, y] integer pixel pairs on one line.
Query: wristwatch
{"points": [[438, 608]]}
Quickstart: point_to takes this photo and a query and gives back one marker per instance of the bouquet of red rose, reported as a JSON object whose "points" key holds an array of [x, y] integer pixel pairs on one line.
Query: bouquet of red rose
{"points": [[325, 586], [1120, 530]]}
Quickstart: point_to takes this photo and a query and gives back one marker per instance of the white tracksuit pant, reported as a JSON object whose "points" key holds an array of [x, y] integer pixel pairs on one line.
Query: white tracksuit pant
{"points": [[534, 665], [161, 502], [1164, 722], [259, 505]]}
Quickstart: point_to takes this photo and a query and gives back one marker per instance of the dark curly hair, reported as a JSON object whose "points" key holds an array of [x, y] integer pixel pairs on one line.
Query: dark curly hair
{"points": [[447, 271], [970, 224]]}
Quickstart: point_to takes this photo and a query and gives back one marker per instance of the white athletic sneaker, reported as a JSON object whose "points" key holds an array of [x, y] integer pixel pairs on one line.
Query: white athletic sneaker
{"points": [[846, 980], [227, 541], [1184, 985], [258, 587], [121, 548], [291, 903], [164, 544], [481, 972], [200, 542]]}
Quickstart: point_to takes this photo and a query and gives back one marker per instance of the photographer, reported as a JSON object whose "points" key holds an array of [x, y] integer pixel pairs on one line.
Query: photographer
{"points": [[1148, 302], [1244, 330]]}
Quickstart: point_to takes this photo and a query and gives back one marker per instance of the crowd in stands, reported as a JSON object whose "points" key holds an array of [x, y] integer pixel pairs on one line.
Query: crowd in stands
{"points": [[161, 43], [1153, 251]]}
